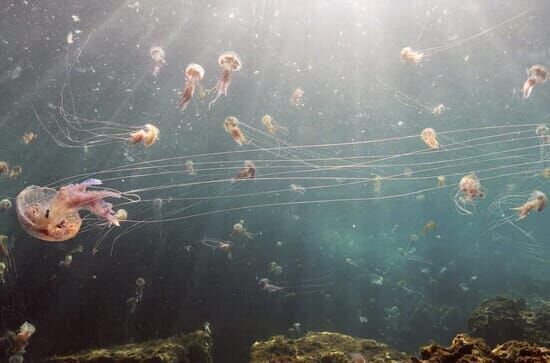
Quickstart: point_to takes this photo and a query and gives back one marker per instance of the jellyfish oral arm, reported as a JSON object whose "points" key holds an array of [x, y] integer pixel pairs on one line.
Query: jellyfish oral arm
{"points": [[76, 196], [528, 87]]}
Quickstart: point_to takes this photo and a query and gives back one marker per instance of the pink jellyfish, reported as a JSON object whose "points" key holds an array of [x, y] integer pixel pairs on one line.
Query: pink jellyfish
{"points": [[536, 74], [157, 54], [230, 62], [52, 215], [193, 74]]}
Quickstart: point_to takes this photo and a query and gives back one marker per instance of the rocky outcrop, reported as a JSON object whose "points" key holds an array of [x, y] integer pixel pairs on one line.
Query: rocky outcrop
{"points": [[190, 348], [323, 347]]}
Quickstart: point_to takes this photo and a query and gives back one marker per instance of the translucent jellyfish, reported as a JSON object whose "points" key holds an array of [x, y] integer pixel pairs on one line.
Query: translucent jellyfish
{"points": [[3, 268], [29, 137], [4, 168], [140, 284], [190, 167], [194, 73], [240, 230], [157, 55], [296, 98], [219, 244], [546, 173], [148, 135], [66, 262], [275, 269], [469, 189], [247, 172], [229, 62], [536, 202], [535, 75], [5, 204], [408, 55], [53, 216], [377, 184], [306, 286], [272, 126], [231, 126], [542, 131], [438, 110], [429, 137], [441, 181], [298, 189], [121, 215], [430, 226], [15, 172]]}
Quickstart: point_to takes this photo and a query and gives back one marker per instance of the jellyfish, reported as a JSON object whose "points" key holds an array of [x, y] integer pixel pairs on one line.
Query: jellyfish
{"points": [[542, 132], [121, 215], [469, 189], [5, 204], [429, 137], [219, 244], [66, 262], [441, 181], [275, 269], [536, 202], [438, 110], [296, 98], [298, 189], [157, 54], [430, 226], [231, 126], [4, 168], [377, 184], [230, 62], [15, 172], [3, 268], [546, 173], [21, 340], [140, 284], [308, 286], [272, 126], [247, 172], [148, 135], [240, 230], [190, 167], [194, 73], [29, 137], [53, 216], [535, 75], [408, 55]]}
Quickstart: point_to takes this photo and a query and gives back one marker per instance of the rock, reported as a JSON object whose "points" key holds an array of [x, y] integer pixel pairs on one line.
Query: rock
{"points": [[322, 347], [190, 348]]}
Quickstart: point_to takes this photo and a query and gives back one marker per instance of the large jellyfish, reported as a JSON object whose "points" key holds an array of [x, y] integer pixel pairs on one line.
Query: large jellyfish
{"points": [[53, 216], [194, 73], [230, 62], [535, 75]]}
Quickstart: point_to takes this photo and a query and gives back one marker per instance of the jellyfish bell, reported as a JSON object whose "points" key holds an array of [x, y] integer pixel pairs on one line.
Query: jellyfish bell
{"points": [[429, 137], [231, 60], [194, 71], [148, 135], [53, 216], [121, 215], [5, 204], [541, 130], [441, 181], [408, 55], [140, 282]]}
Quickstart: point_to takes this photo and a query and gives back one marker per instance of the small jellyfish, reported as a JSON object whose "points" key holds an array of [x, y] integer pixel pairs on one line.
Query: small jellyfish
{"points": [[194, 73], [4, 168], [275, 269], [430, 226], [272, 126], [536, 202], [21, 340], [231, 126], [240, 230], [229, 62], [121, 215], [542, 132], [148, 135], [469, 189], [190, 167], [3, 268], [429, 137], [296, 98], [140, 284], [407, 172], [536, 74], [218, 244], [4, 251], [5, 204], [408, 55], [441, 181], [247, 172], [29, 137], [377, 184], [66, 262], [546, 173], [438, 110], [298, 189], [15, 172], [52, 215], [157, 55]]}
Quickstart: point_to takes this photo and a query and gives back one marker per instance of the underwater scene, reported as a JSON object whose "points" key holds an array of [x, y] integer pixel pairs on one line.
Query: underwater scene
{"points": [[274, 181]]}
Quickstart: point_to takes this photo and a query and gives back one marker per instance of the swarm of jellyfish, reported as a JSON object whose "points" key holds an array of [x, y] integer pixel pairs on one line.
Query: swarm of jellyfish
{"points": [[229, 62], [157, 55], [194, 73], [535, 75], [148, 135], [53, 216], [231, 126]]}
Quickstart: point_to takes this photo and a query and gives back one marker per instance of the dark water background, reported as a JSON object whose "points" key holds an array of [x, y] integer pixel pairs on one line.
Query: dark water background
{"points": [[335, 51]]}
